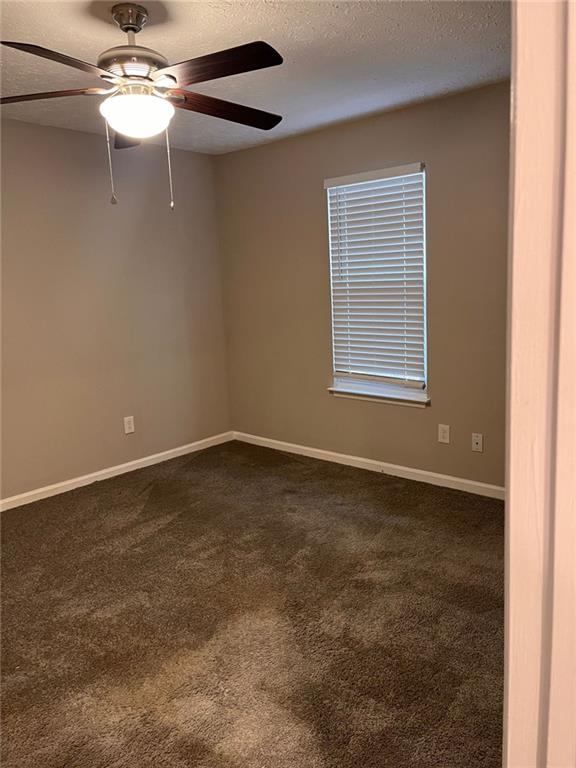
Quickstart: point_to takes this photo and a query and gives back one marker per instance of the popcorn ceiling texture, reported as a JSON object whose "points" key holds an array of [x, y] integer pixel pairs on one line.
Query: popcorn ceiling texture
{"points": [[245, 608], [342, 59]]}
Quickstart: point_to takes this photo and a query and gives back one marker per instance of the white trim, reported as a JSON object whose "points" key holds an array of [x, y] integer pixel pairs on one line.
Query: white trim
{"points": [[409, 473], [540, 637], [405, 393], [386, 399], [384, 173], [119, 469]]}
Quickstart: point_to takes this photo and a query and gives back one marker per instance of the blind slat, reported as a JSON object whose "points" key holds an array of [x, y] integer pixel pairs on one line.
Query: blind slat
{"points": [[382, 221], [372, 366], [386, 212], [374, 239], [380, 200], [374, 190], [376, 183]]}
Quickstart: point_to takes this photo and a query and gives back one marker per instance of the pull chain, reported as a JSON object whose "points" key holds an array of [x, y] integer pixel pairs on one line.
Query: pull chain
{"points": [[113, 199], [169, 171]]}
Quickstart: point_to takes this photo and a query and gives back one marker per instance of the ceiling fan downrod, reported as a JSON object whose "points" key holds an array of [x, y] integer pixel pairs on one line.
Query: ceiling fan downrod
{"points": [[131, 59], [130, 17]]}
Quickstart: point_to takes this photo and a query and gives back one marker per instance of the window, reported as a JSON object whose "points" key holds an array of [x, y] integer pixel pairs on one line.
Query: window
{"points": [[377, 234]]}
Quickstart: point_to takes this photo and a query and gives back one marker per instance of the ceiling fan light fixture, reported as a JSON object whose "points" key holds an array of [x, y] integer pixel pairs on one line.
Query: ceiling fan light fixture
{"points": [[138, 115]]}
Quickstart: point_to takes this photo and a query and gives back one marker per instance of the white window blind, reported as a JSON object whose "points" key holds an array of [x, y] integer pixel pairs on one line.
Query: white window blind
{"points": [[377, 263]]}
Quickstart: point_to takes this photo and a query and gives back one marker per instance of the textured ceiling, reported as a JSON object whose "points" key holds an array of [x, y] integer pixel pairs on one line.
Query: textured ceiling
{"points": [[341, 59]]}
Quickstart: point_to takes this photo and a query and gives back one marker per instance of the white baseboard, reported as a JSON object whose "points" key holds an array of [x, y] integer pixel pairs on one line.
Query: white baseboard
{"points": [[119, 469], [410, 473]]}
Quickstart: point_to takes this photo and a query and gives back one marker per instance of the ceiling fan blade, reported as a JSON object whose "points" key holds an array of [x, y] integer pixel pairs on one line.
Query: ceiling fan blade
{"points": [[227, 110], [244, 58], [54, 95], [125, 142], [62, 58]]}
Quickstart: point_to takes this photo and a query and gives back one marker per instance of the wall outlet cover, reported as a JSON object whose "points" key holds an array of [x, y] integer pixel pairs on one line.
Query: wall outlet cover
{"points": [[477, 442], [128, 425], [443, 433]]}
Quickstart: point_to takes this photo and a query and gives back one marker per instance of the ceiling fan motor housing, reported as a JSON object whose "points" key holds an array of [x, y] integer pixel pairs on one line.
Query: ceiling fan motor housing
{"points": [[129, 16], [131, 61]]}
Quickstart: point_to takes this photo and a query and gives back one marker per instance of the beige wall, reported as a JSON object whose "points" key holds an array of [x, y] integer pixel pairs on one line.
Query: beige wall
{"points": [[272, 220], [107, 310], [111, 311]]}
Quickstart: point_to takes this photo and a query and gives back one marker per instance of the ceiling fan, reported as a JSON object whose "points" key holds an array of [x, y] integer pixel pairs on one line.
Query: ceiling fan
{"points": [[144, 90]]}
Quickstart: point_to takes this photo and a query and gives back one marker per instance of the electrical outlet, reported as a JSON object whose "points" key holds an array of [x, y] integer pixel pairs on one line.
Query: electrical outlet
{"points": [[443, 433], [477, 442], [128, 425]]}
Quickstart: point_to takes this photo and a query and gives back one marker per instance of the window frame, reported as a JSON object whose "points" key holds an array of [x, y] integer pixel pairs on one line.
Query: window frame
{"points": [[372, 387]]}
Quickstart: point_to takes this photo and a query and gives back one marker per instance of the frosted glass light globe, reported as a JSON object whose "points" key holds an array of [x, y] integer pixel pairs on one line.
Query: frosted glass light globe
{"points": [[138, 115]]}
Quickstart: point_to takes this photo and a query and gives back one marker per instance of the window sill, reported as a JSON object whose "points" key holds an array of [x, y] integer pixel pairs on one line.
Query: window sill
{"points": [[376, 391]]}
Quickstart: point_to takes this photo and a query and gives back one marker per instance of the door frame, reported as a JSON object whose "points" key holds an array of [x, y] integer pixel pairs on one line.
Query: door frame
{"points": [[540, 655]]}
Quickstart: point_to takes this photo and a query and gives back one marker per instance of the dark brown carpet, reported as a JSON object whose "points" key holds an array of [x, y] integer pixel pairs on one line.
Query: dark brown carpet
{"points": [[244, 608]]}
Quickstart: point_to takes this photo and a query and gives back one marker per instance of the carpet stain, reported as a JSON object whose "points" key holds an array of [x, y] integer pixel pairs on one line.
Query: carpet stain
{"points": [[246, 608]]}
